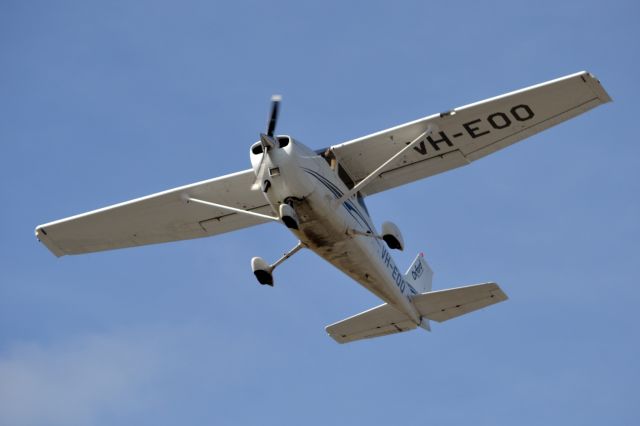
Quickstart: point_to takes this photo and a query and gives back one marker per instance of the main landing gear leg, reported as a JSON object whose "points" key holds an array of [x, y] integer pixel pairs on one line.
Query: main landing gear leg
{"points": [[264, 272]]}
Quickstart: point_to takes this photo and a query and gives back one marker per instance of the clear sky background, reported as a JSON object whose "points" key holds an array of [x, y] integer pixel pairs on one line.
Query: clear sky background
{"points": [[101, 102]]}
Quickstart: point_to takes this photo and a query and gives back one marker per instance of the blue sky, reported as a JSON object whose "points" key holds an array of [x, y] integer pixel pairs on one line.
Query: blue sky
{"points": [[102, 102]]}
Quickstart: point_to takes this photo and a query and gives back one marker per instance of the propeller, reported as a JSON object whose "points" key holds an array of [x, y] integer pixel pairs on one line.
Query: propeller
{"points": [[273, 120], [267, 140]]}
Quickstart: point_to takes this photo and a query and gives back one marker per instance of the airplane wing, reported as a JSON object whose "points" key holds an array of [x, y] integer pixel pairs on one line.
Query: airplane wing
{"points": [[157, 218], [468, 133]]}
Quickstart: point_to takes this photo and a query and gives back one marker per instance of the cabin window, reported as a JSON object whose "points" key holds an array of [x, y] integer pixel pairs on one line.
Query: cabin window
{"points": [[360, 199], [344, 177], [330, 158]]}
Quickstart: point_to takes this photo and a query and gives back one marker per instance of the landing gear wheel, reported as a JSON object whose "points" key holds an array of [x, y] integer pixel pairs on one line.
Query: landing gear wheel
{"points": [[288, 216], [264, 277], [262, 271]]}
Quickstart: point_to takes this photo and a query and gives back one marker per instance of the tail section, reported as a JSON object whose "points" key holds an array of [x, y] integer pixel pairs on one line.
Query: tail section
{"points": [[419, 274], [439, 305]]}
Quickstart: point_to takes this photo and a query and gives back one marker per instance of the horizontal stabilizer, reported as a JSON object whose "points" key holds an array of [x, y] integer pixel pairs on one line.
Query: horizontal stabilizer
{"points": [[378, 321], [442, 305]]}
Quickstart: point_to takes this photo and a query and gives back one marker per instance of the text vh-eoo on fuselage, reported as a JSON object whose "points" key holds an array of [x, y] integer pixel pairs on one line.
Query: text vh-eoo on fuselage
{"points": [[311, 183]]}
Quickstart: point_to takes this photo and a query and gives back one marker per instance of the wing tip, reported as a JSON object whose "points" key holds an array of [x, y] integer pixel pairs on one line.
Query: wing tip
{"points": [[342, 339], [496, 292], [596, 86], [43, 237]]}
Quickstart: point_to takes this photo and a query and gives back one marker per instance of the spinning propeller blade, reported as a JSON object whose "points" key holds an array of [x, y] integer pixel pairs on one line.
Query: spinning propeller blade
{"points": [[273, 119]]}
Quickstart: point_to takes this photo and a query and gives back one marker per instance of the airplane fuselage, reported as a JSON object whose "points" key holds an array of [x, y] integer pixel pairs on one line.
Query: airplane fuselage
{"points": [[341, 233]]}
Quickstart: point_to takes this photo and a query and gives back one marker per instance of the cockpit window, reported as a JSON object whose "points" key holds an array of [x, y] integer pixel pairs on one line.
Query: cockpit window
{"points": [[345, 178], [360, 199], [330, 158]]}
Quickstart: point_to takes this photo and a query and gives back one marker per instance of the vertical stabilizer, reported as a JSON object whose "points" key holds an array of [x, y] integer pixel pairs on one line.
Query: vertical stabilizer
{"points": [[419, 275]]}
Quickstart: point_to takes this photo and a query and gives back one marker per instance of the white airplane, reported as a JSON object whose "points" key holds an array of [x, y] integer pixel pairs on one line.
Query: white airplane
{"points": [[319, 195]]}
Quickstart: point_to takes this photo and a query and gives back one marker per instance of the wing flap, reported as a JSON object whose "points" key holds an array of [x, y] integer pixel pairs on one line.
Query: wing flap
{"points": [[379, 321], [443, 305], [157, 218], [468, 133]]}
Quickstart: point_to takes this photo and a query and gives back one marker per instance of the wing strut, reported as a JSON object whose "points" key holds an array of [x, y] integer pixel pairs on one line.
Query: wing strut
{"points": [[364, 182], [233, 209]]}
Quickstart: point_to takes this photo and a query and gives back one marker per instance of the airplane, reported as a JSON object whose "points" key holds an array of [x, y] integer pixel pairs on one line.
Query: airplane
{"points": [[319, 195]]}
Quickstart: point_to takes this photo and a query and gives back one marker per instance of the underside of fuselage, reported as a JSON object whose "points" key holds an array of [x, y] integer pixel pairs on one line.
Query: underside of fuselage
{"points": [[350, 253], [341, 233]]}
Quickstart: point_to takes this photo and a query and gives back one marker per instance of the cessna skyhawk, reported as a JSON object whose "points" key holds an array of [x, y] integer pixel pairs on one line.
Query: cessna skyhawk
{"points": [[319, 196]]}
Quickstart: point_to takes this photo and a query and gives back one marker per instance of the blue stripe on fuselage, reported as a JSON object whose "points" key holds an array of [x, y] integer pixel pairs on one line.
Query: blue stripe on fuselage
{"points": [[348, 204], [395, 273]]}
